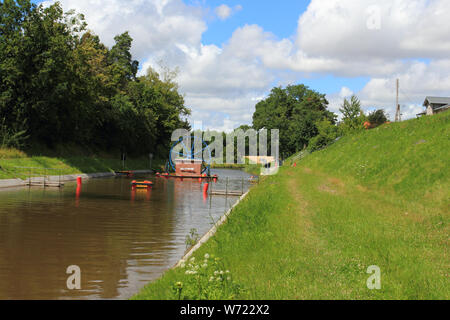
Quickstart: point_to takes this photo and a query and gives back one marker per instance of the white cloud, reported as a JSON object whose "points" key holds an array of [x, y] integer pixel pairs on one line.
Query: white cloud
{"points": [[345, 92], [408, 29], [224, 12], [223, 83], [419, 81], [156, 26]]}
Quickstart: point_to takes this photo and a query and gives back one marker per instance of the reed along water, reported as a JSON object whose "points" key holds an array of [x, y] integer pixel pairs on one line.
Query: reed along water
{"points": [[120, 240]]}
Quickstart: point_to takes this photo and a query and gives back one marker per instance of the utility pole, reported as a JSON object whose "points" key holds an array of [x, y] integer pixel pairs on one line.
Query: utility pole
{"points": [[398, 115]]}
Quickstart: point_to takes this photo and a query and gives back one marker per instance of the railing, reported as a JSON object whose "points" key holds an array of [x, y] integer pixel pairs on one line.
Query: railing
{"points": [[34, 176], [231, 187]]}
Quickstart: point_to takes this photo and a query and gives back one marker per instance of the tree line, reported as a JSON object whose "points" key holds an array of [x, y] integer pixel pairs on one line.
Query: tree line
{"points": [[59, 84], [304, 121]]}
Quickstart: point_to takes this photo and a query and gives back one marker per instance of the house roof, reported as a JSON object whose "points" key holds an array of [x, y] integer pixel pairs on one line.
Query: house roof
{"points": [[442, 108], [436, 100]]}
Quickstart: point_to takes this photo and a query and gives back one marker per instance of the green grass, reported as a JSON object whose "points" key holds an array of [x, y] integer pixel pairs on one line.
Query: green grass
{"points": [[10, 159], [377, 198]]}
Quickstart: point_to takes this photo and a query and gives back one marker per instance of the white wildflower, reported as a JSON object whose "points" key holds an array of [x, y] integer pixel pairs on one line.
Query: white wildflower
{"points": [[206, 256]]}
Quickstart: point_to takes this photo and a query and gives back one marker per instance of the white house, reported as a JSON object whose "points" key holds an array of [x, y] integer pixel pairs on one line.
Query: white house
{"points": [[435, 105]]}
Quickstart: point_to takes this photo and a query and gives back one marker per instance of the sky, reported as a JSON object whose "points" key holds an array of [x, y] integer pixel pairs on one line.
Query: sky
{"points": [[230, 54]]}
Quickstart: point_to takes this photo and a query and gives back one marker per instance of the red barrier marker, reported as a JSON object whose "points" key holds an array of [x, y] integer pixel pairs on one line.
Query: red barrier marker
{"points": [[79, 181], [77, 195]]}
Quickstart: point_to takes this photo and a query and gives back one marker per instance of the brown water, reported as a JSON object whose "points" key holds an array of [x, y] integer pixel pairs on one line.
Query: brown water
{"points": [[119, 240]]}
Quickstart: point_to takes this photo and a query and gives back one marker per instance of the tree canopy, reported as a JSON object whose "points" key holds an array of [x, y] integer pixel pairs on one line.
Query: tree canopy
{"points": [[353, 116], [61, 84], [293, 110]]}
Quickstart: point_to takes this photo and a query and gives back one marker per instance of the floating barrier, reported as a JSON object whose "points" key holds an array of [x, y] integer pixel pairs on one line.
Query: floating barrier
{"points": [[125, 173], [141, 185], [205, 188], [174, 176]]}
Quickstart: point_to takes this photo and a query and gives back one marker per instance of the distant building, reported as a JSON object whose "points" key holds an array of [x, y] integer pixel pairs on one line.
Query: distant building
{"points": [[260, 159], [435, 105]]}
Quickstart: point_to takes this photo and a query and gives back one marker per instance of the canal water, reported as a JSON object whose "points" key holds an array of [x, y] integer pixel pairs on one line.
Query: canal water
{"points": [[120, 240]]}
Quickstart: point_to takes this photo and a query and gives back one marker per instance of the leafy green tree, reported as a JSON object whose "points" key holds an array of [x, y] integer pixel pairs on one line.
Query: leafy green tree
{"points": [[328, 133], [124, 68], [294, 111], [353, 116], [61, 85], [377, 118]]}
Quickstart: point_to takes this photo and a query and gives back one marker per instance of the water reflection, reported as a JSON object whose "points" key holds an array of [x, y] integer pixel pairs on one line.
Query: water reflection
{"points": [[119, 239]]}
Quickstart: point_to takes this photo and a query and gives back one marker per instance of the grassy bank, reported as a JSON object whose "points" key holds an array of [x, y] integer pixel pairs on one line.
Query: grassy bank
{"points": [[376, 198], [252, 169], [11, 159]]}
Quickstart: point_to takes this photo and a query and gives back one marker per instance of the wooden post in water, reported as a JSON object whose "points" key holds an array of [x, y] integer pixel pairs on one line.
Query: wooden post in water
{"points": [[226, 187]]}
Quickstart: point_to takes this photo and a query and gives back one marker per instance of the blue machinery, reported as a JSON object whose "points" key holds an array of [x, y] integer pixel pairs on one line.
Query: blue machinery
{"points": [[189, 153]]}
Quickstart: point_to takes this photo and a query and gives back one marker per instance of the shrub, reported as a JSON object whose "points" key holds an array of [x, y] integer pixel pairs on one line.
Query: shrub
{"points": [[327, 134], [206, 280], [11, 137], [377, 118]]}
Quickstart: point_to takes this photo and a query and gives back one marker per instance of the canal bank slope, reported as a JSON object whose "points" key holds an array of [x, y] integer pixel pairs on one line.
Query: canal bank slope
{"points": [[14, 167], [378, 198]]}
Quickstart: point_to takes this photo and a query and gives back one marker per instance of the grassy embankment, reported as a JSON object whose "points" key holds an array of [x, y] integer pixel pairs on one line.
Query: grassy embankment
{"points": [[376, 198], [252, 169], [67, 162]]}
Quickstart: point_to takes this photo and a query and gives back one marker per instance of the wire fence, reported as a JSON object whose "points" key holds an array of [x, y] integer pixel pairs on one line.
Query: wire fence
{"points": [[232, 186], [36, 175]]}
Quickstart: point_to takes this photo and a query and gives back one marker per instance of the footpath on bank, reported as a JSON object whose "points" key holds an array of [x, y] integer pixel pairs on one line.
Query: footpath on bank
{"points": [[377, 200]]}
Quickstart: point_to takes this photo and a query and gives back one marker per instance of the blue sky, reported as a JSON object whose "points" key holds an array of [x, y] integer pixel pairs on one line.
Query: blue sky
{"points": [[232, 53], [281, 19], [278, 17]]}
